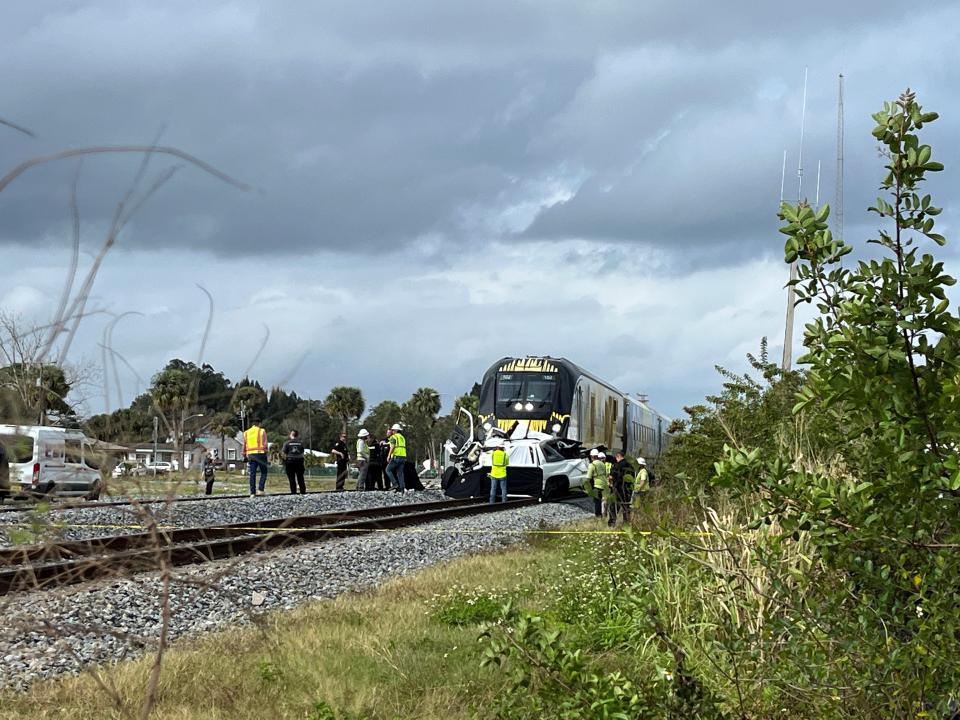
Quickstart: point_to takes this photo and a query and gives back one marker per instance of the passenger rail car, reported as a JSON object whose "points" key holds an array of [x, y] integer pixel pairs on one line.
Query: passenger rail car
{"points": [[557, 397]]}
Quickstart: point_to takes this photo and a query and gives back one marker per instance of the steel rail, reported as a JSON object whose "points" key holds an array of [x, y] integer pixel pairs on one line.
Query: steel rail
{"points": [[66, 505], [187, 546]]}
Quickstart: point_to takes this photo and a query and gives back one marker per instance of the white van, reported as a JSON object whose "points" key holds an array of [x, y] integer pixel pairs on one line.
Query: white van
{"points": [[50, 461]]}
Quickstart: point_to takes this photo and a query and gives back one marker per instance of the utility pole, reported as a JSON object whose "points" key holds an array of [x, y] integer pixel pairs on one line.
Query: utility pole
{"points": [[838, 209], [791, 295]]}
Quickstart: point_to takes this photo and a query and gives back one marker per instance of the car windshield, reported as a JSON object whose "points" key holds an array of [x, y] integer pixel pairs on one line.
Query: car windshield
{"points": [[19, 448]]}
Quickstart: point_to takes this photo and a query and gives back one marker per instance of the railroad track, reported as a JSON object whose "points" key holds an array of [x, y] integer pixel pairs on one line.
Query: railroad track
{"points": [[33, 567], [66, 505]]}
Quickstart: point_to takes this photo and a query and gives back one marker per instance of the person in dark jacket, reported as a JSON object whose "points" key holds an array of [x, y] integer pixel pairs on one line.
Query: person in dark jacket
{"points": [[621, 478], [208, 468], [339, 451], [383, 450], [293, 463]]}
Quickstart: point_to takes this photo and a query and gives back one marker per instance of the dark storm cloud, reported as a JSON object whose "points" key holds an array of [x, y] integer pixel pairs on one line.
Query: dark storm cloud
{"points": [[367, 126]]}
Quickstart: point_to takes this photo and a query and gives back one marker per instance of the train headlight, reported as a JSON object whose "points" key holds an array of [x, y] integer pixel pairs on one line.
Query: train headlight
{"points": [[518, 406], [556, 427], [528, 407]]}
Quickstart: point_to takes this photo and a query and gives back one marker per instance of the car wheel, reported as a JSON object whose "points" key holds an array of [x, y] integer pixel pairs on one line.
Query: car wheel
{"points": [[555, 487]]}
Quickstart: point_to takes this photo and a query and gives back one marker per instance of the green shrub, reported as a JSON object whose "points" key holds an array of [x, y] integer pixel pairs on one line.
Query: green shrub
{"points": [[468, 606]]}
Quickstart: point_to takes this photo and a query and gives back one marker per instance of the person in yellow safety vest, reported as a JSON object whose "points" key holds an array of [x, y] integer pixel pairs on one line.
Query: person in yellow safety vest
{"points": [[255, 450], [499, 461], [641, 484], [397, 457], [597, 481]]}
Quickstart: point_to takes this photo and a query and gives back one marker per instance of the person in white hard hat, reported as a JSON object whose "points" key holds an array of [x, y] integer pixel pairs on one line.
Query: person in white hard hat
{"points": [[597, 481], [363, 458], [397, 457], [641, 484]]}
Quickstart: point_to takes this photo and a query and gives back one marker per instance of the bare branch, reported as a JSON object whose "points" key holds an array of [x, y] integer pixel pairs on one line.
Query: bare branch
{"points": [[105, 149], [18, 128]]}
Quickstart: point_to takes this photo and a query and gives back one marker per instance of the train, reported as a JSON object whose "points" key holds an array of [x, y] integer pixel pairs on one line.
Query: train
{"points": [[554, 396]]}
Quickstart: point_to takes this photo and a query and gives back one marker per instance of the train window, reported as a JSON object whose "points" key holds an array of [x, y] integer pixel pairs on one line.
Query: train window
{"points": [[509, 388], [532, 391]]}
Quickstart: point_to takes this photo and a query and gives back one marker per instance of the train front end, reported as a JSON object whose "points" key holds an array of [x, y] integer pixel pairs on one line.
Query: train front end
{"points": [[528, 392]]}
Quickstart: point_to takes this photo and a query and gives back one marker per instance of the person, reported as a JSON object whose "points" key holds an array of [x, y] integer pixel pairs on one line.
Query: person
{"points": [[293, 453], [620, 479], [255, 451], [641, 484], [597, 477], [363, 459], [397, 457], [499, 460], [207, 468], [339, 451], [382, 453]]}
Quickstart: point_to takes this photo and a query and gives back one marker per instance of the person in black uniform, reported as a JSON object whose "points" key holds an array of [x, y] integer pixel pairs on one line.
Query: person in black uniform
{"points": [[621, 478], [207, 467], [293, 463], [339, 451], [382, 449]]}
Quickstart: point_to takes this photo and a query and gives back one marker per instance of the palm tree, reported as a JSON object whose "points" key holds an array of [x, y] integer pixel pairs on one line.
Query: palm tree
{"points": [[224, 424], [345, 404], [173, 392], [426, 404]]}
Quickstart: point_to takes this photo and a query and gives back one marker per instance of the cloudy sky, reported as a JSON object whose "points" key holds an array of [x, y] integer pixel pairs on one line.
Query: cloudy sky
{"points": [[437, 184]]}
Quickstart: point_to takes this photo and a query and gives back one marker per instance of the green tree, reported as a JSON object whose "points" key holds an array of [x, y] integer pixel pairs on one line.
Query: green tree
{"points": [[470, 403], [883, 357], [345, 404], [420, 417], [382, 416], [248, 399], [225, 425], [174, 394]]}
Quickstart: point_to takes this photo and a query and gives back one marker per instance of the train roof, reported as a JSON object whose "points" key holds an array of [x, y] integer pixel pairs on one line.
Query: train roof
{"points": [[542, 363]]}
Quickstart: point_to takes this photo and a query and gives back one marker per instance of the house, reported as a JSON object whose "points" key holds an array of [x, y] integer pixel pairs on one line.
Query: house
{"points": [[148, 451], [232, 448]]}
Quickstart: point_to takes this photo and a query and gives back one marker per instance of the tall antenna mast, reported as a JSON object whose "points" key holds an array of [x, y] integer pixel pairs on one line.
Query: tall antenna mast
{"points": [[816, 202], [803, 120], [838, 210], [783, 175], [787, 362]]}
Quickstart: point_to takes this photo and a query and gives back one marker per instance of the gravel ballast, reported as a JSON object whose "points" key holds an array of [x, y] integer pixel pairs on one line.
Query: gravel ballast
{"points": [[60, 631], [83, 523]]}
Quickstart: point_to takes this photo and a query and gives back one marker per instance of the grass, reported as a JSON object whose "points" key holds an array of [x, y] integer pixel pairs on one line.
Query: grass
{"points": [[388, 653]]}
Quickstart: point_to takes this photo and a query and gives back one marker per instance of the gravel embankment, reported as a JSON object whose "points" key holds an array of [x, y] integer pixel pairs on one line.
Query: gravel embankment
{"points": [[82, 523], [51, 633]]}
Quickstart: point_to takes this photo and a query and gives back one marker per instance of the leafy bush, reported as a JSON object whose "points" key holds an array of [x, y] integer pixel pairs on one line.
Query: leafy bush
{"points": [[468, 606]]}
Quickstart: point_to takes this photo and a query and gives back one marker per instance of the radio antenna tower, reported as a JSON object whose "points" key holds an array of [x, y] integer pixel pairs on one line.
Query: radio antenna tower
{"points": [[791, 295], [838, 210]]}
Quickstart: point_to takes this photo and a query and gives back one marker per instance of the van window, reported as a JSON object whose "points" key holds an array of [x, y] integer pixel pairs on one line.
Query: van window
{"points": [[19, 448], [73, 451]]}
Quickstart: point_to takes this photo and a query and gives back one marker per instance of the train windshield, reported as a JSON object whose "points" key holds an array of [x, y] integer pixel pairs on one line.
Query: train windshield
{"points": [[525, 392]]}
